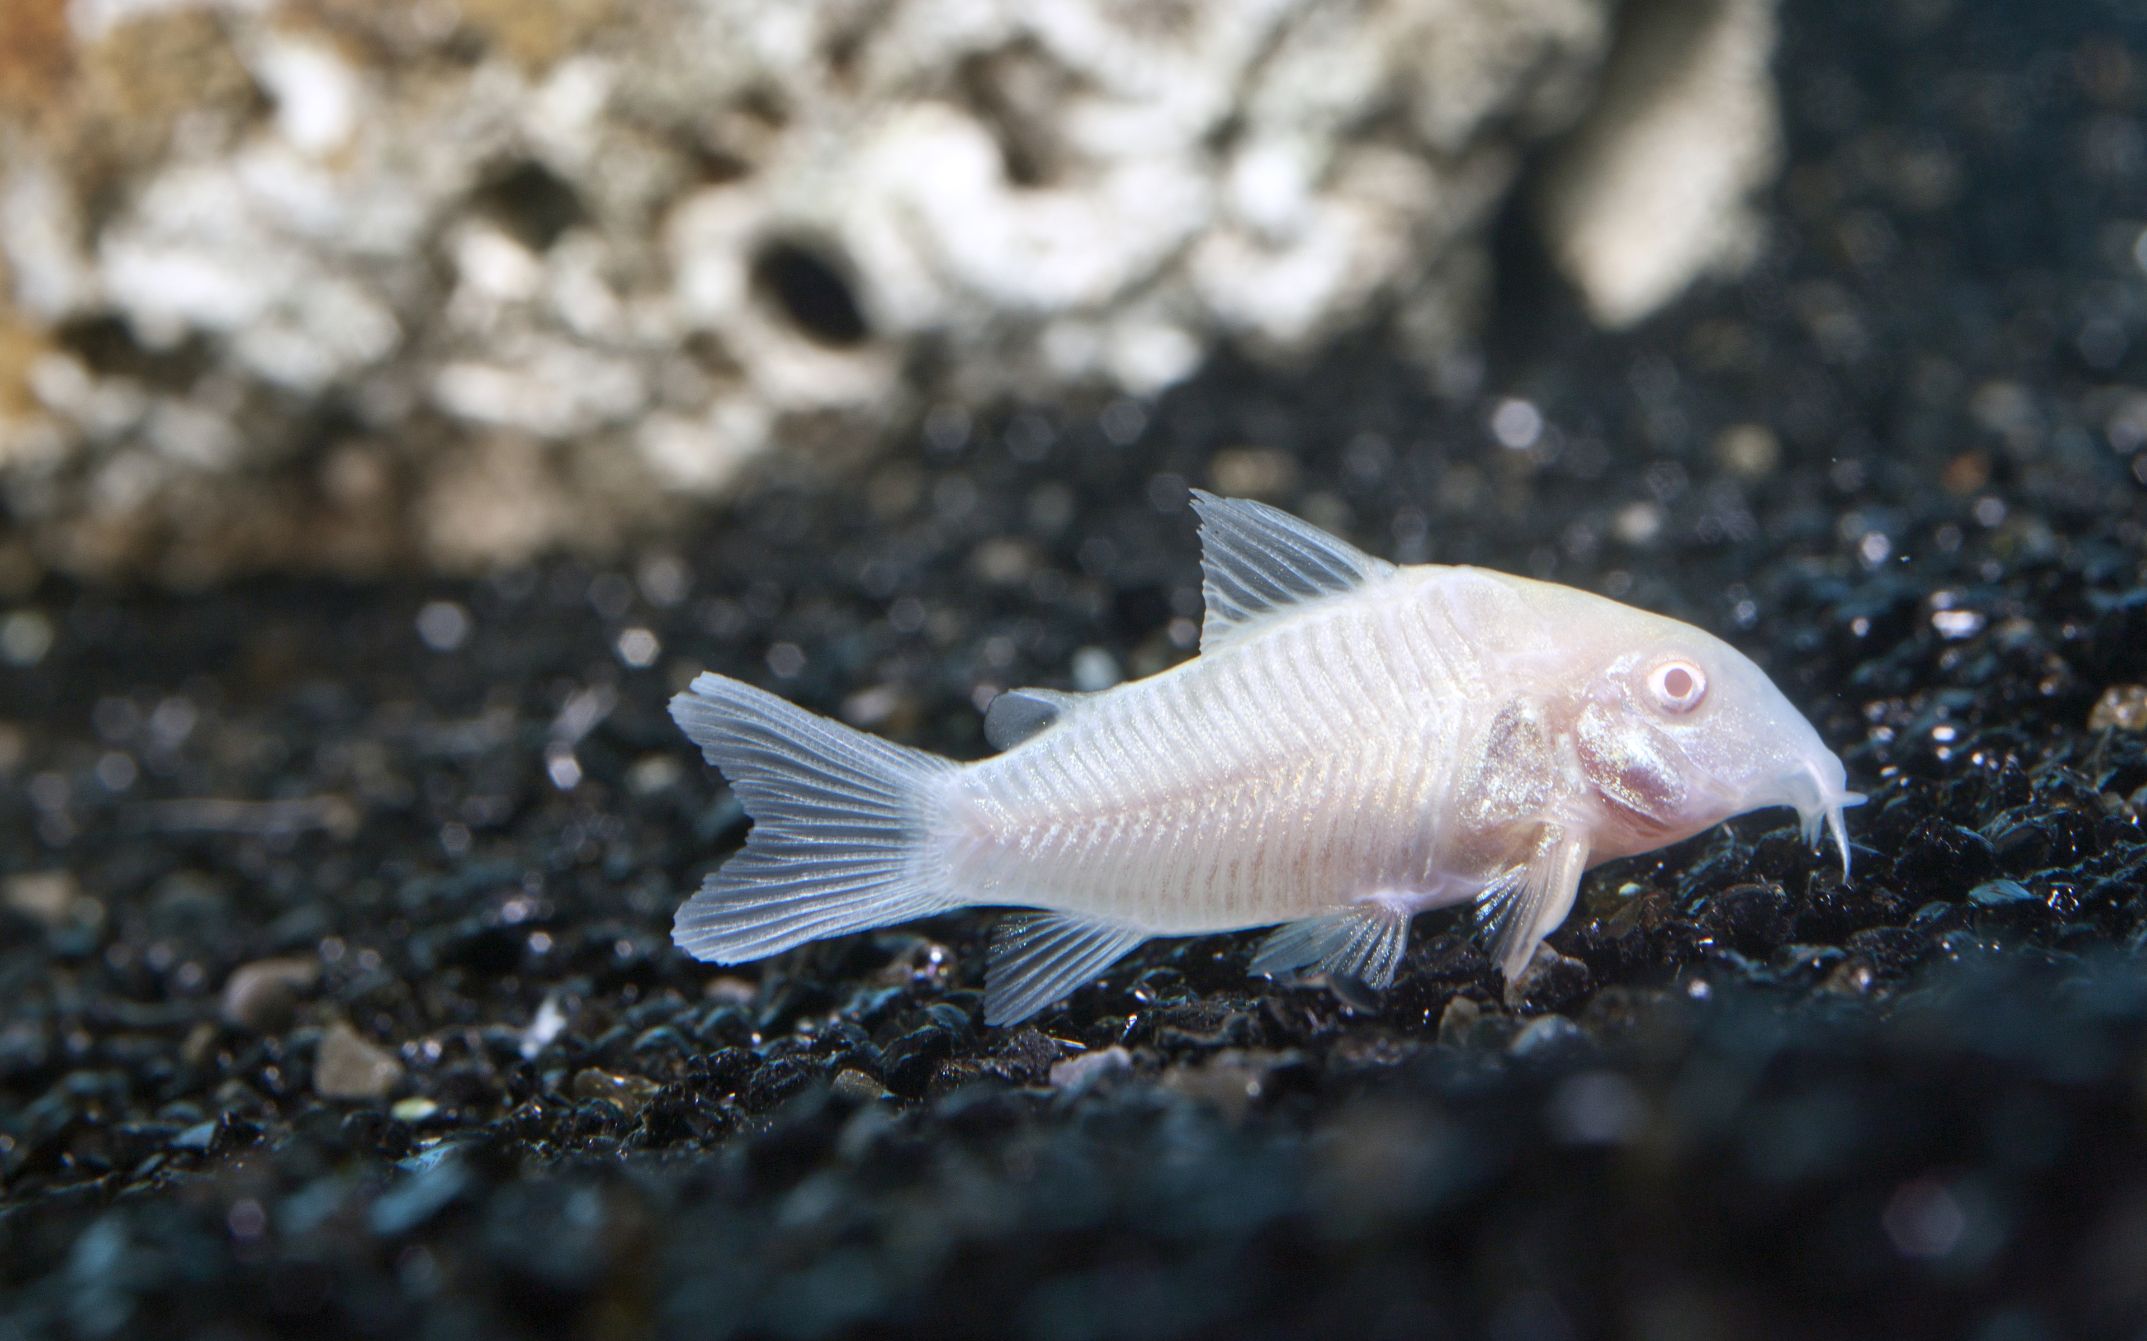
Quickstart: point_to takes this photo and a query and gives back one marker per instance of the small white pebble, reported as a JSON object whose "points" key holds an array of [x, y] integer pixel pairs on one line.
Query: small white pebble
{"points": [[349, 1067], [1078, 1073], [639, 648], [25, 637], [443, 625], [47, 896], [117, 771], [562, 768], [1637, 523], [1957, 623], [1516, 424], [653, 773], [549, 1023], [1095, 669], [1924, 1219], [664, 580]]}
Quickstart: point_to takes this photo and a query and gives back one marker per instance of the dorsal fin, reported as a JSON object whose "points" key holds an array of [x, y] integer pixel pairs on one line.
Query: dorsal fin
{"points": [[1019, 714], [1256, 561]]}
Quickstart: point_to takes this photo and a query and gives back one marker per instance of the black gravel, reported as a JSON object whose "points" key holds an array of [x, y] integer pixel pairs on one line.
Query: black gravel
{"points": [[420, 845]]}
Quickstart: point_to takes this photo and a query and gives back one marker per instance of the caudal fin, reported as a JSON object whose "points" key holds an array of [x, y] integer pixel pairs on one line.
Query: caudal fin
{"points": [[844, 827]]}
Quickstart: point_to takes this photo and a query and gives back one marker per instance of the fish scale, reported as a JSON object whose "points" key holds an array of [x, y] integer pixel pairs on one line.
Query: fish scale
{"points": [[1355, 743], [1351, 819]]}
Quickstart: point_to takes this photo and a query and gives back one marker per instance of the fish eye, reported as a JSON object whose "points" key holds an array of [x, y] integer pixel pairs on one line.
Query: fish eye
{"points": [[1678, 685]]}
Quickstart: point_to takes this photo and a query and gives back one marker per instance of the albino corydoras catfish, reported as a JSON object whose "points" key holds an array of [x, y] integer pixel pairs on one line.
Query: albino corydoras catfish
{"points": [[1355, 743]]}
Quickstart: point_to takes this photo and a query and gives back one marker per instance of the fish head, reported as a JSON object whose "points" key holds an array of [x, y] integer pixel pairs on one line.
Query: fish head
{"points": [[1678, 731]]}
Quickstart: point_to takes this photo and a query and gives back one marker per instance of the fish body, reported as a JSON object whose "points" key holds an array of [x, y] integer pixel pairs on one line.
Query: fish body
{"points": [[1357, 742]]}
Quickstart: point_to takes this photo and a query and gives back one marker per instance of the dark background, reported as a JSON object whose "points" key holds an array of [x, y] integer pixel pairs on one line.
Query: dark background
{"points": [[1902, 462]]}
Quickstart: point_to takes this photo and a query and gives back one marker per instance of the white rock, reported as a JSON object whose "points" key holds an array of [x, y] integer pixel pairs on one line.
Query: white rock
{"points": [[708, 229], [1654, 191], [317, 94]]}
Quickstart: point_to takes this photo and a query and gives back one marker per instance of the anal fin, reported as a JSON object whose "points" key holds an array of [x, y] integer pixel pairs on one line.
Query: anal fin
{"points": [[1363, 942], [1527, 902], [1036, 958]]}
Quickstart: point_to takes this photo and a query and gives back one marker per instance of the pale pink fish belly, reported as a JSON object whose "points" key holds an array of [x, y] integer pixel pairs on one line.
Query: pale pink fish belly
{"points": [[1245, 788]]}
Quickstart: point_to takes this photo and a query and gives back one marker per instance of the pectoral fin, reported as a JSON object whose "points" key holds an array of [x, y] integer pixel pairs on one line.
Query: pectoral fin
{"points": [[1527, 902], [1363, 942]]}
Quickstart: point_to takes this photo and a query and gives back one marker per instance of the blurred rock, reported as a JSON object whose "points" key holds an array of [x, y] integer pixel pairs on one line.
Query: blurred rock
{"points": [[629, 1093], [348, 1067], [1085, 1070], [50, 897], [317, 283], [2122, 706], [1653, 189], [1546, 1034], [264, 994]]}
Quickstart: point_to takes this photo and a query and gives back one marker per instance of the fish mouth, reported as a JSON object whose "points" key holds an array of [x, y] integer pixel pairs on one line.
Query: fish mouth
{"points": [[1829, 814], [1820, 803]]}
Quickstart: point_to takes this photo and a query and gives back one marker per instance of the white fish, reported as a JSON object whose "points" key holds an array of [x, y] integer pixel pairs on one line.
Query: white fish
{"points": [[1356, 743]]}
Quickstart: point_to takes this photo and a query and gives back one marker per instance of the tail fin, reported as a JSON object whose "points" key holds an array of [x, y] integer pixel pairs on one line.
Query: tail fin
{"points": [[843, 827]]}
